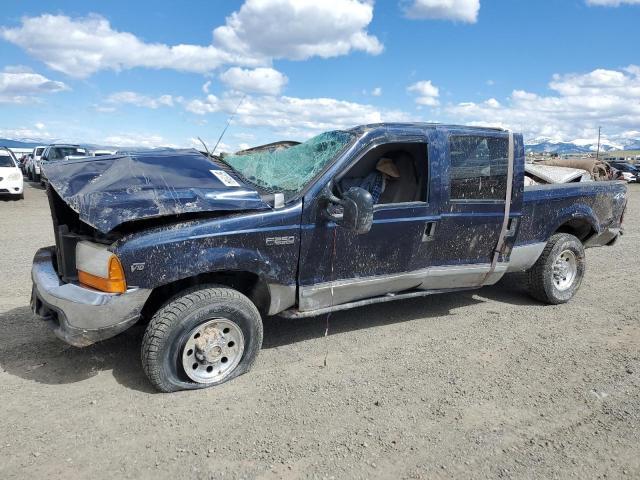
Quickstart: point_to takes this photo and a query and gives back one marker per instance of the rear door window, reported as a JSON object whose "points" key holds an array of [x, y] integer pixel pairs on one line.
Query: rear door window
{"points": [[478, 167]]}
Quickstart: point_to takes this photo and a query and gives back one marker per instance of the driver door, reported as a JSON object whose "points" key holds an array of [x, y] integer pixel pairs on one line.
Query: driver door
{"points": [[339, 266]]}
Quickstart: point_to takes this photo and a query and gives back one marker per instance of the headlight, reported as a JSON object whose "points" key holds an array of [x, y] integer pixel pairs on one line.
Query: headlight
{"points": [[15, 176], [99, 268]]}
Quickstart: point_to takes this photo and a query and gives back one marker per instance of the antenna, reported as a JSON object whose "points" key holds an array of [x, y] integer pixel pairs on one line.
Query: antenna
{"points": [[228, 123], [206, 149], [598, 151]]}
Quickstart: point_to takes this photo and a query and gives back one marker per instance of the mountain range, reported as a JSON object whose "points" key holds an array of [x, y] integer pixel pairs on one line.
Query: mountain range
{"points": [[543, 145], [540, 145]]}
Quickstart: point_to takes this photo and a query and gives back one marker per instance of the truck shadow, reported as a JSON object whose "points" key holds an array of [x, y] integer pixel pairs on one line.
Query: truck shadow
{"points": [[280, 331], [30, 351]]}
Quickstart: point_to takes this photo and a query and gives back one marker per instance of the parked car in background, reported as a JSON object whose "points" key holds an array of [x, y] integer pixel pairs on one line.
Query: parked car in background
{"points": [[11, 181], [22, 162], [102, 153], [32, 166], [631, 173], [57, 152]]}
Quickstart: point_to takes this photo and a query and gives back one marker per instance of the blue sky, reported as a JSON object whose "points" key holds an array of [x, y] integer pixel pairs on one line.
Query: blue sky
{"points": [[162, 73]]}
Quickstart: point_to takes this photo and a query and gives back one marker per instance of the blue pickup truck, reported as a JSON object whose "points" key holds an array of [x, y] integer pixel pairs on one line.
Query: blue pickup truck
{"points": [[199, 248]]}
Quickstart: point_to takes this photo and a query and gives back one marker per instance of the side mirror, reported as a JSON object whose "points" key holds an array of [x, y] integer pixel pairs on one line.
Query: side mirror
{"points": [[357, 210]]}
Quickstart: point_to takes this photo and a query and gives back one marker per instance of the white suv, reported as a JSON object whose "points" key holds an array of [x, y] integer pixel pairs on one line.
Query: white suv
{"points": [[11, 182], [32, 166]]}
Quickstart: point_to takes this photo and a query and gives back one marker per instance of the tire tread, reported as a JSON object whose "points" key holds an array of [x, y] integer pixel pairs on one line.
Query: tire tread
{"points": [[537, 274], [168, 317]]}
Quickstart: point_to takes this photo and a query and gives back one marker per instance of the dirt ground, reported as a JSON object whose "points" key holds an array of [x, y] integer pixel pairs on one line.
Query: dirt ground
{"points": [[467, 385]]}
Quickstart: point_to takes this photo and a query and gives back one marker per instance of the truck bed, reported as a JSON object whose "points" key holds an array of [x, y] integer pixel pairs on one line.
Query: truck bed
{"points": [[586, 209]]}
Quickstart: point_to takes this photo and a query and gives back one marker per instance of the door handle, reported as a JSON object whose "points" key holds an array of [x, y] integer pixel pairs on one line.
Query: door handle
{"points": [[511, 227], [429, 231]]}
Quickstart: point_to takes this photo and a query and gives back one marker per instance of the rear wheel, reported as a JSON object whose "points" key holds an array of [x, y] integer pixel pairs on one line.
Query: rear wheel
{"points": [[558, 273], [205, 337]]}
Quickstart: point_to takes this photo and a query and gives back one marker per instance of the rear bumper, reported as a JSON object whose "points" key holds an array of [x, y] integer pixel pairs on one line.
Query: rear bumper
{"points": [[81, 316]]}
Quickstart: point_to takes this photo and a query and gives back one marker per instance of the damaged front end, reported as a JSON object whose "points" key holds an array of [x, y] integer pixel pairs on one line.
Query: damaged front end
{"points": [[111, 191], [80, 285], [100, 199]]}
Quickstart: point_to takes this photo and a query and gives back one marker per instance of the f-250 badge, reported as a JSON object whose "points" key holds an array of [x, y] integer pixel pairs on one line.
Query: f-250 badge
{"points": [[281, 240]]}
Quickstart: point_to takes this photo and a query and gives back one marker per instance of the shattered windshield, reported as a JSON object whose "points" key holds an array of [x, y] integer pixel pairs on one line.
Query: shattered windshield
{"points": [[289, 170]]}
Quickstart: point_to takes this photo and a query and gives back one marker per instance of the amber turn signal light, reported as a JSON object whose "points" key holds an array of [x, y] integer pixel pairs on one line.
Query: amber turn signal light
{"points": [[115, 283]]}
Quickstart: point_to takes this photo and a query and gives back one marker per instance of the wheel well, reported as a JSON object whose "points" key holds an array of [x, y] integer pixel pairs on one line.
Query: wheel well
{"points": [[578, 227], [247, 283]]}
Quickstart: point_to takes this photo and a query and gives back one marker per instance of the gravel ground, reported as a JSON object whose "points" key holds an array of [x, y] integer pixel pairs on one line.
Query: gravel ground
{"points": [[467, 385]]}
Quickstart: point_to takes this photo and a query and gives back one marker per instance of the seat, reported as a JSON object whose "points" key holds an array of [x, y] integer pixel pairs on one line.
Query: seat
{"points": [[405, 188]]}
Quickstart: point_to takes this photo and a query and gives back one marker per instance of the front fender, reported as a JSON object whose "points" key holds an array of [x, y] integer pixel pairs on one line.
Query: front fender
{"points": [[162, 265], [265, 244]]}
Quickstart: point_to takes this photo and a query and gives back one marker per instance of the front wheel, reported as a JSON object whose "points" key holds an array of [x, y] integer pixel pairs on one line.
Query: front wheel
{"points": [[204, 337], [557, 274]]}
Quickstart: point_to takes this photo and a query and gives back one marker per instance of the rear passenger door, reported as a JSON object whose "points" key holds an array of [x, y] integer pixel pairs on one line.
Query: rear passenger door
{"points": [[474, 187]]}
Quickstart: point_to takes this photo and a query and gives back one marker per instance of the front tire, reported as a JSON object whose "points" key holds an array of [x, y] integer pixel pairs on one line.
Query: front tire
{"points": [[558, 273], [202, 338]]}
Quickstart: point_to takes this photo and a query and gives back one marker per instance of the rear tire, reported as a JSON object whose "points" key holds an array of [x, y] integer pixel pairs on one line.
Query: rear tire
{"points": [[225, 322], [558, 272]]}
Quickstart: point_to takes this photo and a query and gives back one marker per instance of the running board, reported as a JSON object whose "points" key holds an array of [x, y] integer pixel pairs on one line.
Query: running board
{"points": [[390, 297]]}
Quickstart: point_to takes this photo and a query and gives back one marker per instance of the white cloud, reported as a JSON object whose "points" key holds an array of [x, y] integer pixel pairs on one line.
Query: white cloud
{"points": [[139, 100], [299, 29], [82, 46], [210, 104], [205, 87], [612, 3], [259, 80], [137, 140], [19, 85], [425, 93], [253, 36], [300, 117], [582, 102], [27, 133], [457, 10], [376, 92]]}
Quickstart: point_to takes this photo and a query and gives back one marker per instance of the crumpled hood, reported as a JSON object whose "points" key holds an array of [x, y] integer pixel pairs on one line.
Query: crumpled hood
{"points": [[109, 191]]}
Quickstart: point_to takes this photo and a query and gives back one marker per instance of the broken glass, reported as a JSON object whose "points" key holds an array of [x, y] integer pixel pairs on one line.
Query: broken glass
{"points": [[289, 170]]}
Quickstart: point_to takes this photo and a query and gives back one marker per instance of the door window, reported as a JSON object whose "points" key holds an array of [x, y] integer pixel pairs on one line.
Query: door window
{"points": [[478, 167], [393, 173]]}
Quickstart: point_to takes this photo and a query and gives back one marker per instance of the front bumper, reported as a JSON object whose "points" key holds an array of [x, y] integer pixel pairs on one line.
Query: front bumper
{"points": [[81, 316], [13, 187]]}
